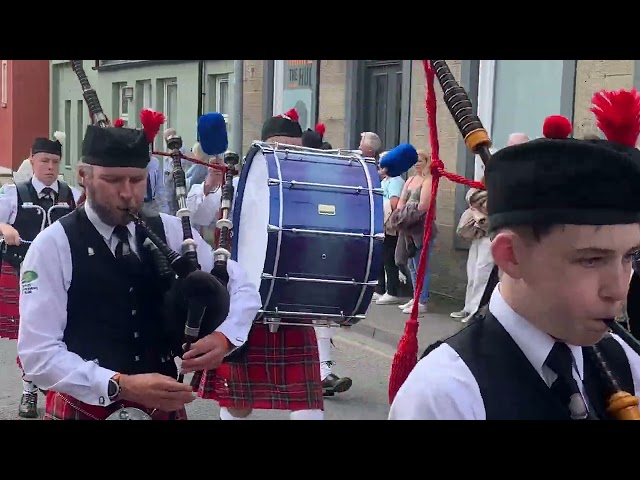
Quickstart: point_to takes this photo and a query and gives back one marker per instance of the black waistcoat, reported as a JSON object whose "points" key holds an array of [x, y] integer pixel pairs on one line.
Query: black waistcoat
{"points": [[633, 305], [114, 314], [510, 386], [28, 221]]}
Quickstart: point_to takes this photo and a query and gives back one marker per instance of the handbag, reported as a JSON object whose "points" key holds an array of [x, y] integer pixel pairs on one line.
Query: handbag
{"points": [[472, 224]]}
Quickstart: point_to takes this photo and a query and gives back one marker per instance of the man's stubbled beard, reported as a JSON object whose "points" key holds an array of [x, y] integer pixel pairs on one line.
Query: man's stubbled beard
{"points": [[109, 216]]}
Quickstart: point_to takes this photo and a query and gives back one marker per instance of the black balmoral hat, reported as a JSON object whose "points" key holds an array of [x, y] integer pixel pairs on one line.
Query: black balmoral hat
{"points": [[560, 180], [285, 125], [45, 145]]}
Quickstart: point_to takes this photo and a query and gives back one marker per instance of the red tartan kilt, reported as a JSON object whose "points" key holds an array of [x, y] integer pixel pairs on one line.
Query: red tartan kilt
{"points": [[64, 407], [281, 372], [9, 301]]}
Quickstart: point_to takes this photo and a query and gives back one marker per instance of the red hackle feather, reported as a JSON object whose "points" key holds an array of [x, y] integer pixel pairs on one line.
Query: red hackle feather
{"points": [[556, 126], [293, 115], [119, 123], [618, 115], [151, 122], [320, 129]]}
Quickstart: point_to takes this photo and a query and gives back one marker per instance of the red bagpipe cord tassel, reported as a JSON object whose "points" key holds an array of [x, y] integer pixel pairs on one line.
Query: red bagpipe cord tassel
{"points": [[406, 356]]}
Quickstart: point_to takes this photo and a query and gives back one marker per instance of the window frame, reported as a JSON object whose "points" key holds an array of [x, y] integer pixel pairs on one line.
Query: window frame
{"points": [[220, 79], [165, 87]]}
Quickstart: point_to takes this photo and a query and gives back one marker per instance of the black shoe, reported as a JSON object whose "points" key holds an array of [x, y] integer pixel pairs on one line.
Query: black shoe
{"points": [[28, 405], [334, 384]]}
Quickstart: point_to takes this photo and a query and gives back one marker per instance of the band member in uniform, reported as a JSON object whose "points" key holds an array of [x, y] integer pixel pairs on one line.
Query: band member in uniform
{"points": [[564, 216], [281, 370], [633, 301], [204, 199], [19, 225], [314, 138], [90, 305]]}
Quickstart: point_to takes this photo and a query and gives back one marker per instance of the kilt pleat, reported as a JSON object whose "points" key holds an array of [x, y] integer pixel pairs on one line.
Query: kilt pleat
{"points": [[281, 372], [9, 301]]}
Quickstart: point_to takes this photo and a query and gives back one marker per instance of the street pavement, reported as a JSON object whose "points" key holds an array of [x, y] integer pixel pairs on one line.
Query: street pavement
{"points": [[385, 323], [364, 352]]}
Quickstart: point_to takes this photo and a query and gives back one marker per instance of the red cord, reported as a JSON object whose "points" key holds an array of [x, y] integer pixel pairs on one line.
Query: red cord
{"points": [[217, 166], [406, 356]]}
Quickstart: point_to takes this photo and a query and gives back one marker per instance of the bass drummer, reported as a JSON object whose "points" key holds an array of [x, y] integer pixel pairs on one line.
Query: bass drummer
{"points": [[281, 370]]}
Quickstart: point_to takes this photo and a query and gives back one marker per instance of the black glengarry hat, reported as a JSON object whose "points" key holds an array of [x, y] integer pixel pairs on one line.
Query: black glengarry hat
{"points": [[45, 145], [285, 125], [119, 146], [560, 180], [313, 138]]}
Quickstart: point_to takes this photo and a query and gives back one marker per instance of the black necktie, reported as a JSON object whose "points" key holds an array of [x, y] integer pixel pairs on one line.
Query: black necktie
{"points": [[46, 201], [123, 253], [123, 248], [565, 386]]}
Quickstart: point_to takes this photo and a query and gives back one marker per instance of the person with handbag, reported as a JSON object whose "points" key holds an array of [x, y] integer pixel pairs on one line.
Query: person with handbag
{"points": [[473, 227], [409, 220]]}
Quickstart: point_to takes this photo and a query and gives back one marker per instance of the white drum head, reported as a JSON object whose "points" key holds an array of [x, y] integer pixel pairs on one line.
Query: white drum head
{"points": [[254, 220]]}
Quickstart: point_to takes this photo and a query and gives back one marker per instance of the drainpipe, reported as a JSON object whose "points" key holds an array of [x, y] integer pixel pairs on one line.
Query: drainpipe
{"points": [[238, 91], [200, 88]]}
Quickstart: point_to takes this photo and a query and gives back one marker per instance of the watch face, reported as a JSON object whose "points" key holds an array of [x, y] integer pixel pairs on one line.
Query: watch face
{"points": [[113, 388]]}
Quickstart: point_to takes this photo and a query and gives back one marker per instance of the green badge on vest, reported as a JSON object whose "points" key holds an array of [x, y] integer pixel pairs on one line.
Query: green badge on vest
{"points": [[29, 276]]}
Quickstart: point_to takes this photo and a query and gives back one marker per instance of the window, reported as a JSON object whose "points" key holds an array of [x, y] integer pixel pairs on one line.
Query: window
{"points": [[296, 86], [170, 108], [143, 97], [517, 95], [125, 95], [218, 95], [222, 97]]}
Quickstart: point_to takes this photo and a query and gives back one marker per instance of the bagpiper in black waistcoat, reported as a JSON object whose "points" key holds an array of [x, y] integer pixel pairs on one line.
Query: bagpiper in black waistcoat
{"points": [[510, 386], [115, 314], [29, 221]]}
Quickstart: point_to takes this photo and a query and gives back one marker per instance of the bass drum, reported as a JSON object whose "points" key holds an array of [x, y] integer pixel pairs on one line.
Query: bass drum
{"points": [[308, 230]]}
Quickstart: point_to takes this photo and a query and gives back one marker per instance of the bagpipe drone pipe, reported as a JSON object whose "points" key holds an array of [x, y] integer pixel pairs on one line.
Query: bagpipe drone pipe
{"points": [[621, 405]]}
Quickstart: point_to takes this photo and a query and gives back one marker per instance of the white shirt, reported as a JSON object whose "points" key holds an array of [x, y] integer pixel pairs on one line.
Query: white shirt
{"points": [[43, 309], [204, 208], [441, 386], [9, 198]]}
